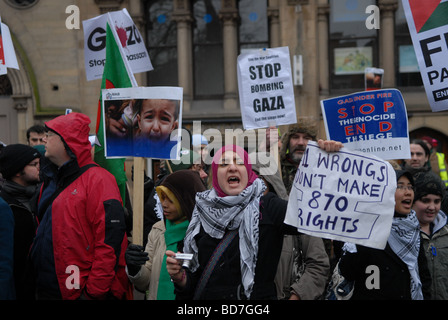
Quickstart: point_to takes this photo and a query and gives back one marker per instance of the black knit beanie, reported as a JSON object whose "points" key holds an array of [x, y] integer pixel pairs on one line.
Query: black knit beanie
{"points": [[427, 183], [14, 157]]}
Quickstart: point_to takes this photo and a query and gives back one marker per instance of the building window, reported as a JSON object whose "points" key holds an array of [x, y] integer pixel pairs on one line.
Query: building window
{"points": [[5, 86], [407, 71], [253, 30], [162, 43], [22, 4], [208, 63], [353, 47]]}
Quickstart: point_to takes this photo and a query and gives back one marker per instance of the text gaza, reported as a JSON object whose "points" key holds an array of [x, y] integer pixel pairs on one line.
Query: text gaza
{"points": [[97, 39], [266, 71]]}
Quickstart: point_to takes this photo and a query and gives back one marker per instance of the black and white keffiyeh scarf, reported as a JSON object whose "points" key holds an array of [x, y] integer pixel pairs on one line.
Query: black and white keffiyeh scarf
{"points": [[218, 214], [404, 239]]}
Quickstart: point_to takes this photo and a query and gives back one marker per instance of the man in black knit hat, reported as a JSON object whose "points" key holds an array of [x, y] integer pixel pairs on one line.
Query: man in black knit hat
{"points": [[19, 165]]}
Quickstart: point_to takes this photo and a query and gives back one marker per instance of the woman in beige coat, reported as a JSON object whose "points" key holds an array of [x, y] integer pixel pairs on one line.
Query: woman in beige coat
{"points": [[147, 269]]}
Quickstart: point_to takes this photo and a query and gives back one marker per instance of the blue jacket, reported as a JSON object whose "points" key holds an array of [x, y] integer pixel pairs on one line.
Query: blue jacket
{"points": [[7, 290]]}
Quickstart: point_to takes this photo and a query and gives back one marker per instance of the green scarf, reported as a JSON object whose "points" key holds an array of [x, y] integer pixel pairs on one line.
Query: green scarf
{"points": [[173, 234]]}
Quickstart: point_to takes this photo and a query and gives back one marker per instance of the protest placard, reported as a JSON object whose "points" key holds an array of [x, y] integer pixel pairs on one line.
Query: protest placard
{"points": [[347, 196], [428, 25], [131, 42], [7, 54], [142, 122], [373, 78], [266, 89], [374, 122]]}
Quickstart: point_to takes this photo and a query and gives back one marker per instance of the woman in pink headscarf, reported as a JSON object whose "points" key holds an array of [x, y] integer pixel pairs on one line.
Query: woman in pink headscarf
{"points": [[232, 216]]}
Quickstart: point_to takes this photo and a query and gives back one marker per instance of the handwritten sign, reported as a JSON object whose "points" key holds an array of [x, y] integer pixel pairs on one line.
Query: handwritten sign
{"points": [[266, 89], [374, 122], [428, 26], [131, 42], [347, 196]]}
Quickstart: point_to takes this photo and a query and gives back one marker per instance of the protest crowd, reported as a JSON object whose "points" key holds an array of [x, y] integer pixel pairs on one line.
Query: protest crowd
{"points": [[299, 216], [68, 234]]}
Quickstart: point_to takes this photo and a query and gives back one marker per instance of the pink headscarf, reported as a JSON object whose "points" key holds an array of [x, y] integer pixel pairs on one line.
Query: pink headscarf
{"points": [[215, 164]]}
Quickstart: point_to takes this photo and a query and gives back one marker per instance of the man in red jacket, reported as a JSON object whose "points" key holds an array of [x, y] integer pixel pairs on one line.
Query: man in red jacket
{"points": [[78, 252]]}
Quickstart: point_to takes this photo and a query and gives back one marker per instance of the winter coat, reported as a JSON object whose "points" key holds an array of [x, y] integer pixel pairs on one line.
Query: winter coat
{"points": [[303, 268], [81, 240], [394, 277], [25, 225], [436, 250], [7, 290], [149, 274]]}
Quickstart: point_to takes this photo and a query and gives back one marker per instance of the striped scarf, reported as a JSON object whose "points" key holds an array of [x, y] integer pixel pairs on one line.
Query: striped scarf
{"points": [[218, 214], [404, 240]]}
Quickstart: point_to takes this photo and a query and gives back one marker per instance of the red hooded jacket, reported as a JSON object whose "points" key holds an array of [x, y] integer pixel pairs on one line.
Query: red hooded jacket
{"points": [[87, 223]]}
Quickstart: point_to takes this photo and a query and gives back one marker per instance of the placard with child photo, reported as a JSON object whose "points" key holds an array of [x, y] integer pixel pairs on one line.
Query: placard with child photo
{"points": [[142, 122]]}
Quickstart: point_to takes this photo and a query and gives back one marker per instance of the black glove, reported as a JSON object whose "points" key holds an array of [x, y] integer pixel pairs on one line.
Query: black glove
{"points": [[135, 257]]}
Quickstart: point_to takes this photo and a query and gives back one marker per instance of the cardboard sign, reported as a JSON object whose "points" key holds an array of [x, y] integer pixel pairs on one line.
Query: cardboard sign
{"points": [[374, 122], [131, 42], [142, 122], [8, 55], [266, 89], [346, 196], [428, 26]]}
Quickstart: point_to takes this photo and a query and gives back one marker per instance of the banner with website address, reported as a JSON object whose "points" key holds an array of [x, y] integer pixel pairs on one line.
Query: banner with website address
{"points": [[374, 122]]}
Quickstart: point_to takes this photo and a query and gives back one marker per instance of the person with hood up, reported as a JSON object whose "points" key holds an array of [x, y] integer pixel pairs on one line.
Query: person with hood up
{"points": [[429, 191], [78, 251], [147, 269]]}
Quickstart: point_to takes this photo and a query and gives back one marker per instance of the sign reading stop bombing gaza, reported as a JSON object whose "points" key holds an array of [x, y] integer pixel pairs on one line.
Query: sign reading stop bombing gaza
{"points": [[428, 26], [266, 89]]}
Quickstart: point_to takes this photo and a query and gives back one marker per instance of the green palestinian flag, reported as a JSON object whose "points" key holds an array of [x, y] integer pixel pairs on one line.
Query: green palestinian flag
{"points": [[438, 18], [116, 74]]}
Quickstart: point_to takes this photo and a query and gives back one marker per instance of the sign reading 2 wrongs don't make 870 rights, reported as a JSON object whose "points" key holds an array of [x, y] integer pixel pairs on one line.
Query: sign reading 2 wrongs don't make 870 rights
{"points": [[346, 196]]}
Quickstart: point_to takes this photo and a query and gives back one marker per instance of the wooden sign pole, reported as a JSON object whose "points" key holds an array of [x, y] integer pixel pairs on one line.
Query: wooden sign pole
{"points": [[137, 206]]}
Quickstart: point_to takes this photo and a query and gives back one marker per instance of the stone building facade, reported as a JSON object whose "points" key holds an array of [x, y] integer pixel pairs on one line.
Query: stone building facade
{"points": [[195, 44]]}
